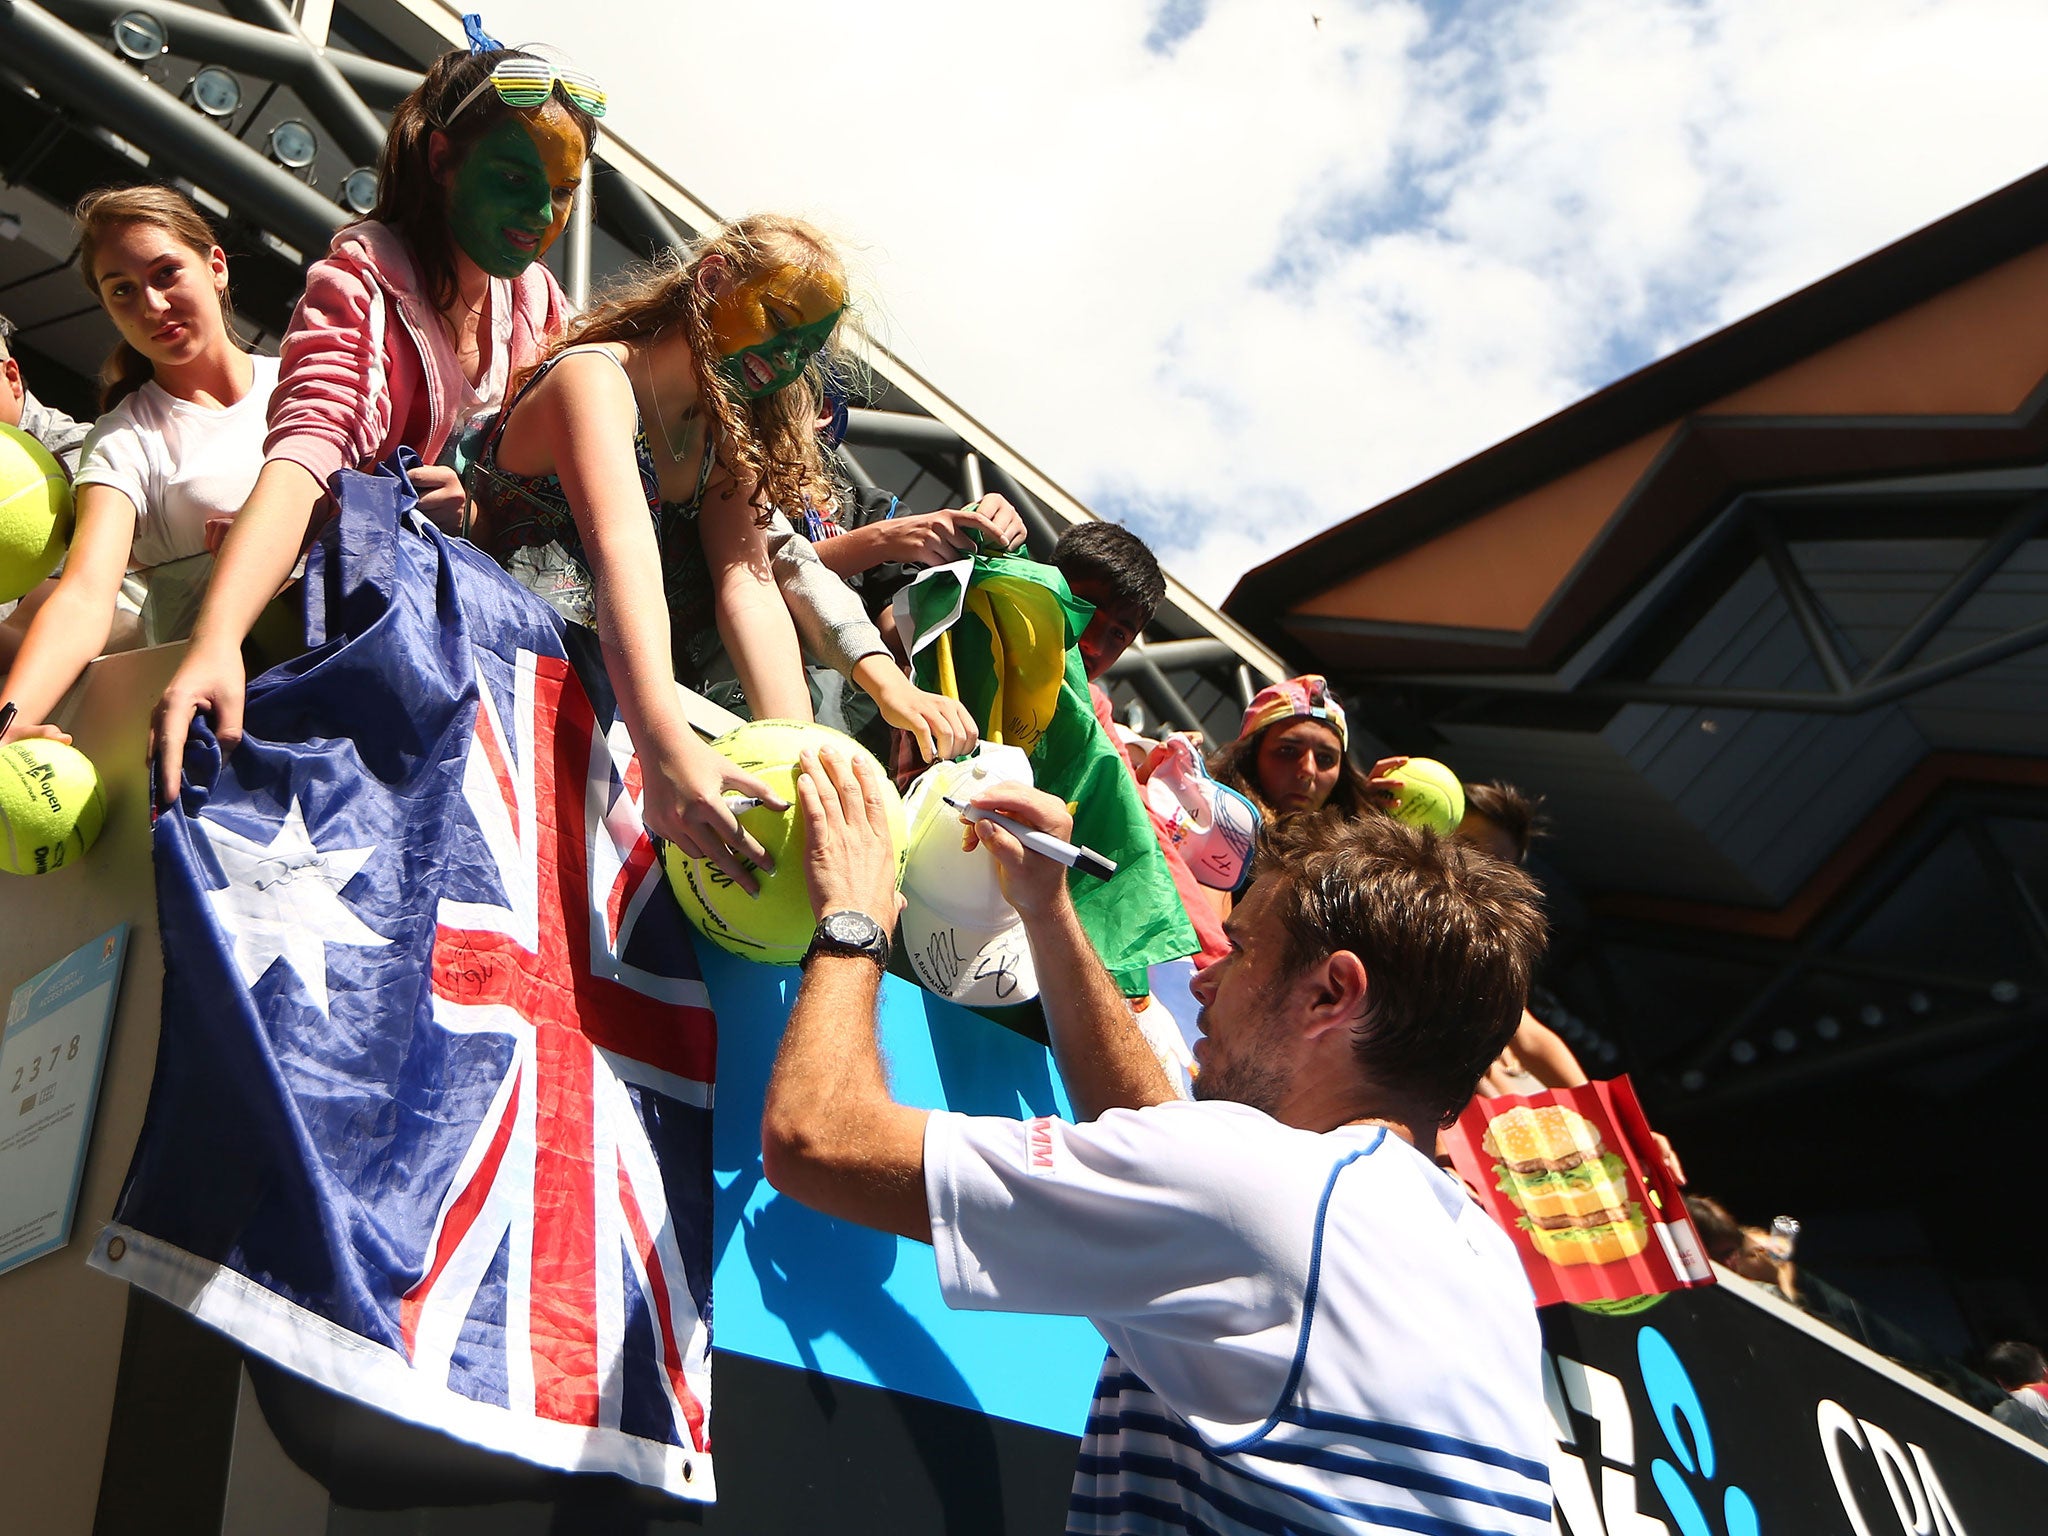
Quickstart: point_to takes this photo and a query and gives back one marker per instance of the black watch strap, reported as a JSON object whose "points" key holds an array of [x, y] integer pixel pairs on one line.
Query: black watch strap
{"points": [[847, 932]]}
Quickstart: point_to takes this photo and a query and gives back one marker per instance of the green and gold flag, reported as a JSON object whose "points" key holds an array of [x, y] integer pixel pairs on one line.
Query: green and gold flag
{"points": [[1004, 628]]}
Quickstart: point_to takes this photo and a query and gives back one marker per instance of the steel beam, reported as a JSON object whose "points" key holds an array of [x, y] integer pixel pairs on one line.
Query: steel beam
{"points": [[1996, 551], [1178, 654], [576, 247], [1805, 607], [1708, 696], [899, 429], [100, 88], [216, 39], [1735, 1085], [319, 83]]}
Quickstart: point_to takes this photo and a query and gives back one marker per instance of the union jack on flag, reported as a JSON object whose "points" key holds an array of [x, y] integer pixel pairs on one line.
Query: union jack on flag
{"points": [[432, 1116]]}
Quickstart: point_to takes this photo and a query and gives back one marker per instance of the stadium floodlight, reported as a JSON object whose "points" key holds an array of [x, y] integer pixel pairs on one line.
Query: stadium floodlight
{"points": [[293, 144], [139, 37], [359, 190], [215, 92]]}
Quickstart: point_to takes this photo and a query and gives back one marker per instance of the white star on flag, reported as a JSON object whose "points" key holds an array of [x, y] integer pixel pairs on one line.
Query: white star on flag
{"points": [[283, 901]]}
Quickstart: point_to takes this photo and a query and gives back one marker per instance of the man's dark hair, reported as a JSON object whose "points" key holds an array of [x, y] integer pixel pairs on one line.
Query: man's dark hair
{"points": [[1515, 813], [1111, 554], [1719, 1234], [2014, 1364], [1448, 937]]}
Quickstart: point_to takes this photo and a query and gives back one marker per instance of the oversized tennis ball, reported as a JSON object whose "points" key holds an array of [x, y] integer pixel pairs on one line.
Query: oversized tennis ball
{"points": [[51, 808], [35, 512], [1430, 797], [776, 925]]}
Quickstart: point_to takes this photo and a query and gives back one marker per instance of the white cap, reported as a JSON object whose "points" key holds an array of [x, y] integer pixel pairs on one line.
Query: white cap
{"points": [[964, 941]]}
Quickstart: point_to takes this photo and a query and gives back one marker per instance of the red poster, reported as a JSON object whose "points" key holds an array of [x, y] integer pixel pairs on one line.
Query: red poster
{"points": [[1573, 1177]]}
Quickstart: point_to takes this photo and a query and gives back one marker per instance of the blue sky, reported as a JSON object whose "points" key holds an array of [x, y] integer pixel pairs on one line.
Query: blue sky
{"points": [[1232, 270]]}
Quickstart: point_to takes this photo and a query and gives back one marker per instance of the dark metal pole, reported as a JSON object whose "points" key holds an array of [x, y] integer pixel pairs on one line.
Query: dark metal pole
{"points": [[73, 71], [899, 429], [855, 470], [645, 222], [1162, 697], [1043, 536]]}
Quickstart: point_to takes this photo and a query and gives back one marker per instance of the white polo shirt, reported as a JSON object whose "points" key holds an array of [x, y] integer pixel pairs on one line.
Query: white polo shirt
{"points": [[1317, 1333]]}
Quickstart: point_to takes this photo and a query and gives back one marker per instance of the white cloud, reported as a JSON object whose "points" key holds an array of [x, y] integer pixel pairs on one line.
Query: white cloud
{"points": [[1238, 288]]}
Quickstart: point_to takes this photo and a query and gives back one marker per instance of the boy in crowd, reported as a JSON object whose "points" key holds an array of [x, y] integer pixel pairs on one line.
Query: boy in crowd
{"points": [[1108, 565], [20, 408]]}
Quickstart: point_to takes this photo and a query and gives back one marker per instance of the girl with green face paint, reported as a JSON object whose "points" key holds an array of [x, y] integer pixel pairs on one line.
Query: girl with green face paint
{"points": [[416, 321], [634, 482]]}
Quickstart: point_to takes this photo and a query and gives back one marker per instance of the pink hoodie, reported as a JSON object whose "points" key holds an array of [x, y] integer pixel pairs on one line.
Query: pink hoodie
{"points": [[368, 365]]}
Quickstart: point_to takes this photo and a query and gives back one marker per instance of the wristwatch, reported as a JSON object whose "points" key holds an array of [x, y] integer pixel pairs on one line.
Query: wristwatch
{"points": [[850, 933]]}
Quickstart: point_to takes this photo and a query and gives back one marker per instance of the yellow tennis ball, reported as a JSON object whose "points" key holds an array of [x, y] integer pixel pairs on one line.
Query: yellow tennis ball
{"points": [[51, 807], [1430, 796], [776, 925], [35, 512]]}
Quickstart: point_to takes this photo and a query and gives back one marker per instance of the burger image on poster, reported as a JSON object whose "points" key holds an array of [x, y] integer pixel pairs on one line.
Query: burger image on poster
{"points": [[964, 941]]}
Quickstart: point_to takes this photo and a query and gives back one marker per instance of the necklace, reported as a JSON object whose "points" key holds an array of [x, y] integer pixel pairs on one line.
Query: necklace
{"points": [[661, 420]]}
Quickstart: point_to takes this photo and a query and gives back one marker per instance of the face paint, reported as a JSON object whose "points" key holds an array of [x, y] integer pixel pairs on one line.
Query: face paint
{"points": [[770, 326], [503, 207]]}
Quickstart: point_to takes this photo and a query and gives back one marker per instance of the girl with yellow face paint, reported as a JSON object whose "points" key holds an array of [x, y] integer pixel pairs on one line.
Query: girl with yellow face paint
{"points": [[634, 481], [415, 322]]}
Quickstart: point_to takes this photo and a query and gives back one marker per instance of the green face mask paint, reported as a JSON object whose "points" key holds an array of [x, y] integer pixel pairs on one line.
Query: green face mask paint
{"points": [[501, 208], [778, 362]]}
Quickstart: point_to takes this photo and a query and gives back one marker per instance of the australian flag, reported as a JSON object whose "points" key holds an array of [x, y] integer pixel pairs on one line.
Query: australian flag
{"points": [[431, 1122]]}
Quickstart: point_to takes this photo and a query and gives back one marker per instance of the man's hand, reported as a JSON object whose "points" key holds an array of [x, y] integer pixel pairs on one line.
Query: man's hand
{"points": [[1032, 883], [849, 858]]}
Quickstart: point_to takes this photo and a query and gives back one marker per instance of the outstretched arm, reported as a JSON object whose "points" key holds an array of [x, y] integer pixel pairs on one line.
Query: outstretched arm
{"points": [[72, 627], [1102, 1055], [753, 620], [584, 412], [831, 1135], [255, 560]]}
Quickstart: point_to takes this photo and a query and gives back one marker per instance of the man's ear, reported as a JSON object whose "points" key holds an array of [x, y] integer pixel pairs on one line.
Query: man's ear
{"points": [[1338, 987], [10, 373]]}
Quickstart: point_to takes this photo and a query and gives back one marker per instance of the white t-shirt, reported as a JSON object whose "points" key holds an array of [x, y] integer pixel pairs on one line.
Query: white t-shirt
{"points": [[1313, 1332], [179, 463]]}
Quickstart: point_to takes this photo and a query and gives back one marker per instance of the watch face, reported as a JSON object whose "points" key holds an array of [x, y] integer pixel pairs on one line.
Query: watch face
{"points": [[849, 928]]}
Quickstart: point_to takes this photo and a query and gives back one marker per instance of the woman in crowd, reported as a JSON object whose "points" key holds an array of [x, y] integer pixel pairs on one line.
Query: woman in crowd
{"points": [[414, 322], [633, 478], [176, 451], [1289, 756]]}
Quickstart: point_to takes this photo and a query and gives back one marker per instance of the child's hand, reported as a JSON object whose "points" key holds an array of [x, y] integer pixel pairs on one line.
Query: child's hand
{"points": [[685, 803], [1385, 789], [990, 526], [940, 726]]}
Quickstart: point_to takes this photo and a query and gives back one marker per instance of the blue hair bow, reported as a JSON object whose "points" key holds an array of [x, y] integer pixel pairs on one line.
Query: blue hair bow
{"points": [[480, 41]]}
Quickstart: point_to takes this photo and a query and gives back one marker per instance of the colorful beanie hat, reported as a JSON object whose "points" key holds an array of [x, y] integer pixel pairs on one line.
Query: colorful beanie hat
{"points": [[1309, 696]]}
